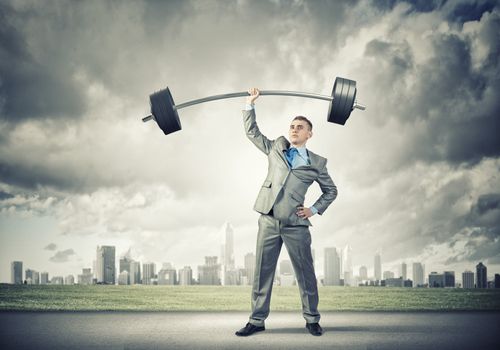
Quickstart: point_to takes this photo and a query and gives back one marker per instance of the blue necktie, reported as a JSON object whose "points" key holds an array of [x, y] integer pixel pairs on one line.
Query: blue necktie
{"points": [[290, 155]]}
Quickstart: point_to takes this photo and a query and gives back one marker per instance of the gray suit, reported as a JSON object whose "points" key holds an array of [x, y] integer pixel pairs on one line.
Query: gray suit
{"points": [[281, 193]]}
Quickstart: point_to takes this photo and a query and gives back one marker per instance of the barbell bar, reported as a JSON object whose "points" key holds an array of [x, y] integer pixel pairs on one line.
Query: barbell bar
{"points": [[342, 103]]}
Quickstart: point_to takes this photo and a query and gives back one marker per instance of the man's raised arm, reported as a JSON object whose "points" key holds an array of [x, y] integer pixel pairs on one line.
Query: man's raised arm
{"points": [[249, 121]]}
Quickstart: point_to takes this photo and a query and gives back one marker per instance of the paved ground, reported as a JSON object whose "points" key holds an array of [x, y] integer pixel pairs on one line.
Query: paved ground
{"points": [[284, 330]]}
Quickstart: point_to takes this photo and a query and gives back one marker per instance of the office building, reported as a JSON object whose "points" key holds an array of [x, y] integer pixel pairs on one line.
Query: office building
{"points": [[123, 278], [32, 277], [378, 267], [105, 265], [209, 274], [148, 272], [86, 277], [332, 267], [394, 282], [403, 271], [125, 261], [69, 280], [449, 279], [418, 275], [16, 272], [167, 276], [363, 273], [135, 272], [468, 279], [57, 280], [436, 280], [186, 276], [347, 266], [388, 274], [481, 276], [44, 278]]}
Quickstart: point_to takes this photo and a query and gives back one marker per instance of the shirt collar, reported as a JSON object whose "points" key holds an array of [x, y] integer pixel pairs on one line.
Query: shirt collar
{"points": [[302, 151]]}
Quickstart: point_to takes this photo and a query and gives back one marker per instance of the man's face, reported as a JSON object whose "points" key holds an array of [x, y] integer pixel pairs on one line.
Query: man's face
{"points": [[299, 133]]}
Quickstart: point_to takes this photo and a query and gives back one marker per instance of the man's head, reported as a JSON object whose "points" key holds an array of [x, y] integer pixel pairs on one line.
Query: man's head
{"points": [[300, 131]]}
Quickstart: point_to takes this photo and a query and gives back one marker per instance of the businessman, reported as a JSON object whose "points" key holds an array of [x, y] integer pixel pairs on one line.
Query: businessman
{"points": [[292, 168]]}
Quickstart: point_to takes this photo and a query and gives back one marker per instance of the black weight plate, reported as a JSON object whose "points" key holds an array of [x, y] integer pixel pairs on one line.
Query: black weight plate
{"points": [[349, 100], [164, 111], [338, 93]]}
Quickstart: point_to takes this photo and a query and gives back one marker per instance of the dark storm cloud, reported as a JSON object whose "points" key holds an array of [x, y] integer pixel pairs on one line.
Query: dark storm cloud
{"points": [[485, 216], [466, 134], [483, 221], [415, 5], [51, 246], [30, 88], [62, 256], [470, 10], [5, 195], [451, 97]]}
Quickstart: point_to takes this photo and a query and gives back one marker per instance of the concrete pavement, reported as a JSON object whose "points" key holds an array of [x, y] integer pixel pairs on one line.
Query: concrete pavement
{"points": [[284, 330]]}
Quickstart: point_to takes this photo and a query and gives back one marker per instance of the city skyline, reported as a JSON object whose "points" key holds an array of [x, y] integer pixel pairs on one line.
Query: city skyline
{"points": [[108, 270], [416, 172]]}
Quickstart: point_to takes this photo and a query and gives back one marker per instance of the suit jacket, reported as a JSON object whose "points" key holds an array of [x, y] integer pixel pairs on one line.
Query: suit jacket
{"points": [[284, 189]]}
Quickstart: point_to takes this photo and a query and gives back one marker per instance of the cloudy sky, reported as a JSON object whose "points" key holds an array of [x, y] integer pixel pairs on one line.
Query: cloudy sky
{"points": [[417, 172]]}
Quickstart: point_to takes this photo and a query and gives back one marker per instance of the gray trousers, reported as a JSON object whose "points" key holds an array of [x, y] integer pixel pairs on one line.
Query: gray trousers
{"points": [[272, 234]]}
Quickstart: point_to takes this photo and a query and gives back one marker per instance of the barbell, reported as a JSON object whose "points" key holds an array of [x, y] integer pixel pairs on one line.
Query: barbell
{"points": [[342, 103]]}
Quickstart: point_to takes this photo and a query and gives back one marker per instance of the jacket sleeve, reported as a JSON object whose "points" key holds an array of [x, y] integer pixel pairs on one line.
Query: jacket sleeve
{"points": [[253, 132], [328, 188]]}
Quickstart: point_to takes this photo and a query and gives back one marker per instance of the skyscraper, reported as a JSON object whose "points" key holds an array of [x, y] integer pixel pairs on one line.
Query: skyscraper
{"points": [[418, 275], [481, 276], [86, 277], [186, 276], [403, 271], [125, 264], [44, 278], [449, 279], [209, 274], [378, 267], [123, 278], [148, 272], [229, 273], [436, 280], [16, 272], [250, 267], [229, 247], [347, 265], [468, 279], [167, 276], [105, 264], [388, 274], [30, 276], [363, 273], [69, 280], [135, 272], [332, 267]]}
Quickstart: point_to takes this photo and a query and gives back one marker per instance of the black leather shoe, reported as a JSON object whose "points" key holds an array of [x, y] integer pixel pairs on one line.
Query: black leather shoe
{"points": [[314, 329], [249, 329]]}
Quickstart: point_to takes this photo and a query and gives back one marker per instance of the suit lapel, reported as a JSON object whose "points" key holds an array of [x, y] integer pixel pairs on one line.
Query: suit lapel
{"points": [[283, 148], [314, 159]]}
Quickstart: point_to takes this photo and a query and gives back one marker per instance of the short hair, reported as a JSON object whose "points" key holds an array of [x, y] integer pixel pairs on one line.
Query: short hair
{"points": [[304, 119]]}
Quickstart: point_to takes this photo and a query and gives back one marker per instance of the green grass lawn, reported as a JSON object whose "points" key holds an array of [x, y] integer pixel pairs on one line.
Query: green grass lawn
{"points": [[237, 298]]}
